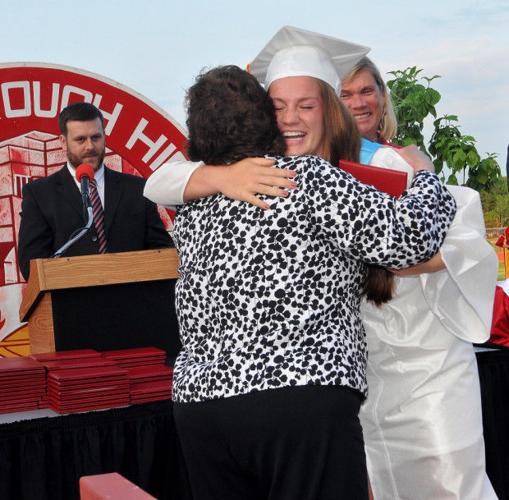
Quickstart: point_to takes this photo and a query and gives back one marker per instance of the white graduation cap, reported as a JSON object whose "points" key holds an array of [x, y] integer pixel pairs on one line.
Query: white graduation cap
{"points": [[297, 52]]}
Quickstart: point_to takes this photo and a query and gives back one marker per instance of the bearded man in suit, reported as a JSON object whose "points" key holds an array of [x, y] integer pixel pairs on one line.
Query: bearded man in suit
{"points": [[52, 208]]}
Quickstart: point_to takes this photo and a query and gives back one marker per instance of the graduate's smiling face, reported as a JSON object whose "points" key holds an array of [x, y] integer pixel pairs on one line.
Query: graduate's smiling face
{"points": [[299, 110], [365, 101], [84, 142]]}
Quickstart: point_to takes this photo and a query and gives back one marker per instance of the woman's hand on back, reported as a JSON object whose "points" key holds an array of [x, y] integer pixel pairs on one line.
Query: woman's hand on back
{"points": [[246, 179]]}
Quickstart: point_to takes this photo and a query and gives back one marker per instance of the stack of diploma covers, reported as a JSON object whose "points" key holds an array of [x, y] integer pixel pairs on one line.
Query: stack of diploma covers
{"points": [[137, 356], [84, 380], [149, 378], [22, 384], [150, 383]]}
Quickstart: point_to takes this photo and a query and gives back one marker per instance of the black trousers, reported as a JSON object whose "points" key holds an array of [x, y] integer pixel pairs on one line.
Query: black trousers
{"points": [[295, 443]]}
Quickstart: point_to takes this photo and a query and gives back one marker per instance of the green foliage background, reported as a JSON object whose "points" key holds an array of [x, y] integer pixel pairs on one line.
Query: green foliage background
{"points": [[454, 155], [495, 202]]}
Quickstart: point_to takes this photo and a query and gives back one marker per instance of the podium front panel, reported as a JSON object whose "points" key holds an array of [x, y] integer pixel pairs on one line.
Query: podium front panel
{"points": [[117, 317]]}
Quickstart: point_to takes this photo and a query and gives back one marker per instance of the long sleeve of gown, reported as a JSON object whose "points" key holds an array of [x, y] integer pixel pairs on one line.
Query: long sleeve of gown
{"points": [[167, 184], [461, 296]]}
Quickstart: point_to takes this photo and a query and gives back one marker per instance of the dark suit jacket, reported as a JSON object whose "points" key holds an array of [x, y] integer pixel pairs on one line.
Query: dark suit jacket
{"points": [[52, 210]]}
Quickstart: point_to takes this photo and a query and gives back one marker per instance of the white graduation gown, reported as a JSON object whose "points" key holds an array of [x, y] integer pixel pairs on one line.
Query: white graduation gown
{"points": [[422, 420]]}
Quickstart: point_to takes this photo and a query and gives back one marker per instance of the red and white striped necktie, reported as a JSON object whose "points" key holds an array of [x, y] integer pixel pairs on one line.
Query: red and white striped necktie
{"points": [[98, 211]]}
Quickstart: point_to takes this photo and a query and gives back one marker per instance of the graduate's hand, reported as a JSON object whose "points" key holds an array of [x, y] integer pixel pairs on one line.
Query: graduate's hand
{"points": [[416, 158], [253, 176], [430, 266]]}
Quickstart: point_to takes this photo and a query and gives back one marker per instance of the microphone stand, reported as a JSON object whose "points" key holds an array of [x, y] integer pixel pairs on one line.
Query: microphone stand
{"points": [[80, 234]]}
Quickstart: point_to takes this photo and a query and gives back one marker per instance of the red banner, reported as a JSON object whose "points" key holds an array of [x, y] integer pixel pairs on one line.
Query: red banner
{"points": [[139, 137]]}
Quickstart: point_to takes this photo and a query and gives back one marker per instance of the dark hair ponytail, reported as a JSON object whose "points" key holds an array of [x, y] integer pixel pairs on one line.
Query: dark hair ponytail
{"points": [[378, 285]]}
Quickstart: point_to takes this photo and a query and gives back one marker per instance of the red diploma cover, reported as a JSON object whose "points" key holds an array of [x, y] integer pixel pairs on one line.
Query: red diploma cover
{"points": [[389, 181]]}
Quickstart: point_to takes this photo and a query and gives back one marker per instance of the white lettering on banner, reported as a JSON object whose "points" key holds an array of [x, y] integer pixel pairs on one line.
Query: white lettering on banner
{"points": [[53, 110], [163, 156], [35, 101], [26, 110], [139, 135], [71, 89], [112, 117]]}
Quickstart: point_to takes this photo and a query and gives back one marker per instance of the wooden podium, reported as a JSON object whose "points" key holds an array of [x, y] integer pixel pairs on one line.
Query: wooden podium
{"points": [[107, 301]]}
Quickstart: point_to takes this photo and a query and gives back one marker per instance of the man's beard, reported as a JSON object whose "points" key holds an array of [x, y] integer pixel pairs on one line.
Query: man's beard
{"points": [[76, 161]]}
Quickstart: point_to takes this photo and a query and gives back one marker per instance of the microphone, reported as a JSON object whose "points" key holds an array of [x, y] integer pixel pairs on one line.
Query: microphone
{"points": [[83, 175]]}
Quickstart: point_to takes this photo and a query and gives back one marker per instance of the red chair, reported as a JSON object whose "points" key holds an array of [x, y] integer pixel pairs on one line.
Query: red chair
{"points": [[110, 487]]}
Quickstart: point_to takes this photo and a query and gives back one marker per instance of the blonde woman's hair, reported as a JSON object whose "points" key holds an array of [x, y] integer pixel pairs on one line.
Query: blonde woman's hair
{"points": [[388, 126]]}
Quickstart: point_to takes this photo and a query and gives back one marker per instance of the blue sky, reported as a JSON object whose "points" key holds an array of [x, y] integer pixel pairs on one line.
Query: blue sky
{"points": [[157, 47]]}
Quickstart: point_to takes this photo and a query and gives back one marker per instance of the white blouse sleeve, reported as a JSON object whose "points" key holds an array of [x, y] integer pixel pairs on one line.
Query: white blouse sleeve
{"points": [[167, 184], [461, 296]]}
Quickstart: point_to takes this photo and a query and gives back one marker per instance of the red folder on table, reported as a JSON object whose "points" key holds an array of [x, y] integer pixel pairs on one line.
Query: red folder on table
{"points": [[389, 181]]}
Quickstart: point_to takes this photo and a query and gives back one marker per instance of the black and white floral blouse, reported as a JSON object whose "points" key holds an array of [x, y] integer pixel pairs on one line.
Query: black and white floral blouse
{"points": [[270, 299]]}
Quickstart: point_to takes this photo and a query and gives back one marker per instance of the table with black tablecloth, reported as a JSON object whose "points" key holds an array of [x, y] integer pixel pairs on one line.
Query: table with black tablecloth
{"points": [[43, 458], [494, 377]]}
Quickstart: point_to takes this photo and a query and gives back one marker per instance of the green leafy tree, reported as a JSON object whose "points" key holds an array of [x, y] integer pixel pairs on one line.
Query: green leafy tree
{"points": [[495, 202], [414, 101]]}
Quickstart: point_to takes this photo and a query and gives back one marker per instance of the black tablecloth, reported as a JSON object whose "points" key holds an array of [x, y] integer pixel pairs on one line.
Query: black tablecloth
{"points": [[43, 459], [494, 377]]}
